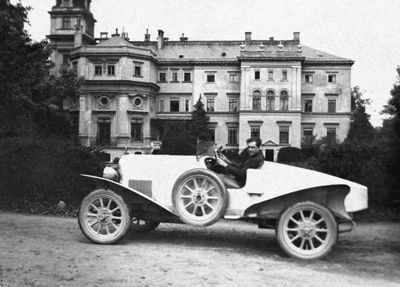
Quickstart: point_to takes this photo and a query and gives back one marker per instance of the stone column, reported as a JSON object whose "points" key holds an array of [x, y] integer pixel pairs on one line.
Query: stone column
{"points": [[122, 121]]}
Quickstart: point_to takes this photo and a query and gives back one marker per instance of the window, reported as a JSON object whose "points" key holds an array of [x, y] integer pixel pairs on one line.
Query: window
{"points": [[270, 101], [75, 66], [174, 105], [210, 105], [283, 135], [138, 71], [256, 101], [104, 132], [174, 77], [233, 105], [233, 78], [331, 106], [138, 102], [104, 101], [270, 75], [187, 105], [308, 103], [161, 104], [331, 133], [186, 77], [255, 132], [137, 130], [257, 75], [66, 23], [65, 59], [66, 3], [331, 78], [98, 70], [284, 101], [211, 131], [232, 136], [284, 75], [162, 77], [110, 70], [307, 133], [308, 78], [210, 78]]}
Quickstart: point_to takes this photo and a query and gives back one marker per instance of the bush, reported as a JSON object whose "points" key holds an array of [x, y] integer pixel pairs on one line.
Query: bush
{"points": [[37, 173], [290, 155]]}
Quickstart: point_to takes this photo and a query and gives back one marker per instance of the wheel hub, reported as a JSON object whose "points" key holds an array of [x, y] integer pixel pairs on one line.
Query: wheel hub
{"points": [[307, 230], [104, 216], [198, 198]]}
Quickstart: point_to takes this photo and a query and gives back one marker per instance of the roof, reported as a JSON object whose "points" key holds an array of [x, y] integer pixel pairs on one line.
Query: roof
{"points": [[229, 51], [115, 41]]}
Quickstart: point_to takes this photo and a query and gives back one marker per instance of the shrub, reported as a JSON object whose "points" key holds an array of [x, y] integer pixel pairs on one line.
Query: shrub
{"points": [[290, 155], [37, 173]]}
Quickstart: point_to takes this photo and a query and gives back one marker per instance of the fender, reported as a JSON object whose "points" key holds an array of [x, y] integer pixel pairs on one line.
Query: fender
{"points": [[116, 186]]}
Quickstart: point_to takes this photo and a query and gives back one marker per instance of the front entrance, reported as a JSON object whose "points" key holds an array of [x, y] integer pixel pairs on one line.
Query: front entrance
{"points": [[269, 155]]}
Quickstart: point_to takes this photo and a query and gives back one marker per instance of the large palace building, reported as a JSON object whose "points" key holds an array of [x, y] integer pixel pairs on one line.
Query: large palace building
{"points": [[279, 90]]}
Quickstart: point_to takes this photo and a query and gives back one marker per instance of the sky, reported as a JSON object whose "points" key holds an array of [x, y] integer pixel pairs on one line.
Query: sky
{"points": [[366, 31]]}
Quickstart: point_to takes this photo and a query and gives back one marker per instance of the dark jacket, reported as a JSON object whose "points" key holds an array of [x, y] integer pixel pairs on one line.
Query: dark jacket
{"points": [[239, 169]]}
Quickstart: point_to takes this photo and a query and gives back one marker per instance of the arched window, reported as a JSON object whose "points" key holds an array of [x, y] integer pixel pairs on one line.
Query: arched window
{"points": [[284, 101], [270, 100], [256, 101]]}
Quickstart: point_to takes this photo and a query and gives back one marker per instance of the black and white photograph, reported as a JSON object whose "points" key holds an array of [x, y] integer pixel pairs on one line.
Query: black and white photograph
{"points": [[199, 143]]}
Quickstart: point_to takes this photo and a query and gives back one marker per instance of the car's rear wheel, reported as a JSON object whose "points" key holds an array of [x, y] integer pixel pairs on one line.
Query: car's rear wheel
{"points": [[104, 217], [140, 225], [199, 197], [307, 230]]}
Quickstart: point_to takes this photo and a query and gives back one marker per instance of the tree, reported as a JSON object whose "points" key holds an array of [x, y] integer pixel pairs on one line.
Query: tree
{"points": [[28, 94], [360, 128], [199, 123], [180, 137]]}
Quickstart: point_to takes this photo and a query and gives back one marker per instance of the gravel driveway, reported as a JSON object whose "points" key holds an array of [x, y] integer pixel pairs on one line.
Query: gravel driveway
{"points": [[51, 251]]}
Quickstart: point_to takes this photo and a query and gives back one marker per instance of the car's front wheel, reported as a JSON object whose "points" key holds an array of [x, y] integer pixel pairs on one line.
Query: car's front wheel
{"points": [[307, 230], [104, 216], [199, 197]]}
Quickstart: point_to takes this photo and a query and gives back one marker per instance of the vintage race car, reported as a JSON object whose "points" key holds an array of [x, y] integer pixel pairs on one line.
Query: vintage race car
{"points": [[308, 209]]}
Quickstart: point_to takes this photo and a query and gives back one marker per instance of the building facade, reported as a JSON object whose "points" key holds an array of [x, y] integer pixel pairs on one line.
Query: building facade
{"points": [[279, 90]]}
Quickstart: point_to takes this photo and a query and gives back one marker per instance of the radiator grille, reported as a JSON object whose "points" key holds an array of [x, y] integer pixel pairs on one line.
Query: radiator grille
{"points": [[144, 186]]}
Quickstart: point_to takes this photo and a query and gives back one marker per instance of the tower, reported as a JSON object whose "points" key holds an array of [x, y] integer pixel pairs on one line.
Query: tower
{"points": [[71, 25]]}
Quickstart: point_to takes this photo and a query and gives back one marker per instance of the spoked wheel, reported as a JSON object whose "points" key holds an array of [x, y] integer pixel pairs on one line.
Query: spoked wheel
{"points": [[142, 225], [199, 197], [307, 230], [104, 216]]}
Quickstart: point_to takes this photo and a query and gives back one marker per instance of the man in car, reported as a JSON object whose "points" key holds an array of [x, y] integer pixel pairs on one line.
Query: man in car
{"points": [[250, 157]]}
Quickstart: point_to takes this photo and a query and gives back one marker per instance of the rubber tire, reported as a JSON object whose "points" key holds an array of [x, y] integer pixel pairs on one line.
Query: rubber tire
{"points": [[321, 210], [143, 228], [125, 210], [223, 198]]}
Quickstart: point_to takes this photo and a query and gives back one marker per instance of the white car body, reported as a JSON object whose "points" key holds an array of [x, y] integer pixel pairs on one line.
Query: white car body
{"points": [[307, 208]]}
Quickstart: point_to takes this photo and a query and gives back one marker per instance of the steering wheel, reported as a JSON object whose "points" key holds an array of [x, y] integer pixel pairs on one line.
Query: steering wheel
{"points": [[220, 155]]}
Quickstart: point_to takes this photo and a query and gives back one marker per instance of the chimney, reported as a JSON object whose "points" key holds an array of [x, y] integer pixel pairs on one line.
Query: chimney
{"points": [[296, 36], [124, 36], [247, 36], [116, 33], [78, 34], [183, 38], [147, 36], [160, 39]]}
